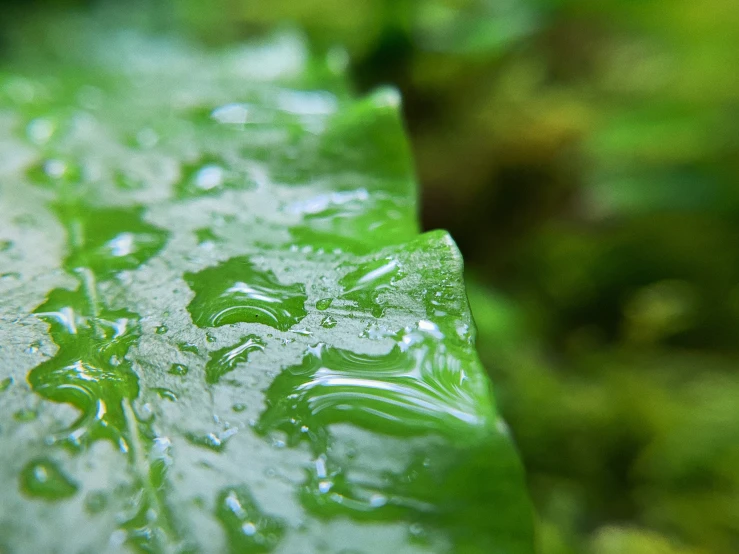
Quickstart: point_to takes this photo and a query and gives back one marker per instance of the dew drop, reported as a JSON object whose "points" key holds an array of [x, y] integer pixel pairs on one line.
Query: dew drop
{"points": [[166, 394], [211, 441], [188, 347], [328, 322], [162, 329], [33, 347], [367, 283], [209, 177], [408, 390], [247, 528], [42, 478], [324, 303], [178, 369], [225, 360], [25, 415], [236, 291]]}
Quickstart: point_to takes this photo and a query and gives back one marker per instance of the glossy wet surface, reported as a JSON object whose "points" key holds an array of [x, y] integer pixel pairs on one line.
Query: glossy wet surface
{"points": [[219, 328]]}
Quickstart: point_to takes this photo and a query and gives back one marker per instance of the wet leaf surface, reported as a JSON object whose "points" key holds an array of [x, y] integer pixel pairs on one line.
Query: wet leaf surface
{"points": [[215, 302]]}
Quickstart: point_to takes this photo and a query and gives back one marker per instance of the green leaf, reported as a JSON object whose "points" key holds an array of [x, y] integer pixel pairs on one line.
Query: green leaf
{"points": [[219, 327]]}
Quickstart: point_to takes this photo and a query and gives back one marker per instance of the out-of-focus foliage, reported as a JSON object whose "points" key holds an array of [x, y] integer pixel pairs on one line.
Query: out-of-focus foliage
{"points": [[585, 155]]}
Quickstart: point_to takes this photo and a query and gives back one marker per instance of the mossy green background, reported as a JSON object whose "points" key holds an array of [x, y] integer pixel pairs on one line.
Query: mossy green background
{"points": [[584, 156]]}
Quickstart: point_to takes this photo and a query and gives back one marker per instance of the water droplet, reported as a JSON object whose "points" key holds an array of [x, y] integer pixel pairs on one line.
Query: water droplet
{"points": [[188, 347], [328, 322], [209, 177], [247, 528], [409, 391], [54, 172], [25, 415], [211, 441], [90, 370], [365, 285], [324, 303], [236, 291], [5, 384], [42, 478], [178, 369], [166, 394], [108, 241], [225, 360], [33, 347], [210, 337], [162, 329]]}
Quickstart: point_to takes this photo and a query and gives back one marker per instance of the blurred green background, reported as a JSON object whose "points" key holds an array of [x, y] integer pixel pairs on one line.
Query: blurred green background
{"points": [[585, 156]]}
